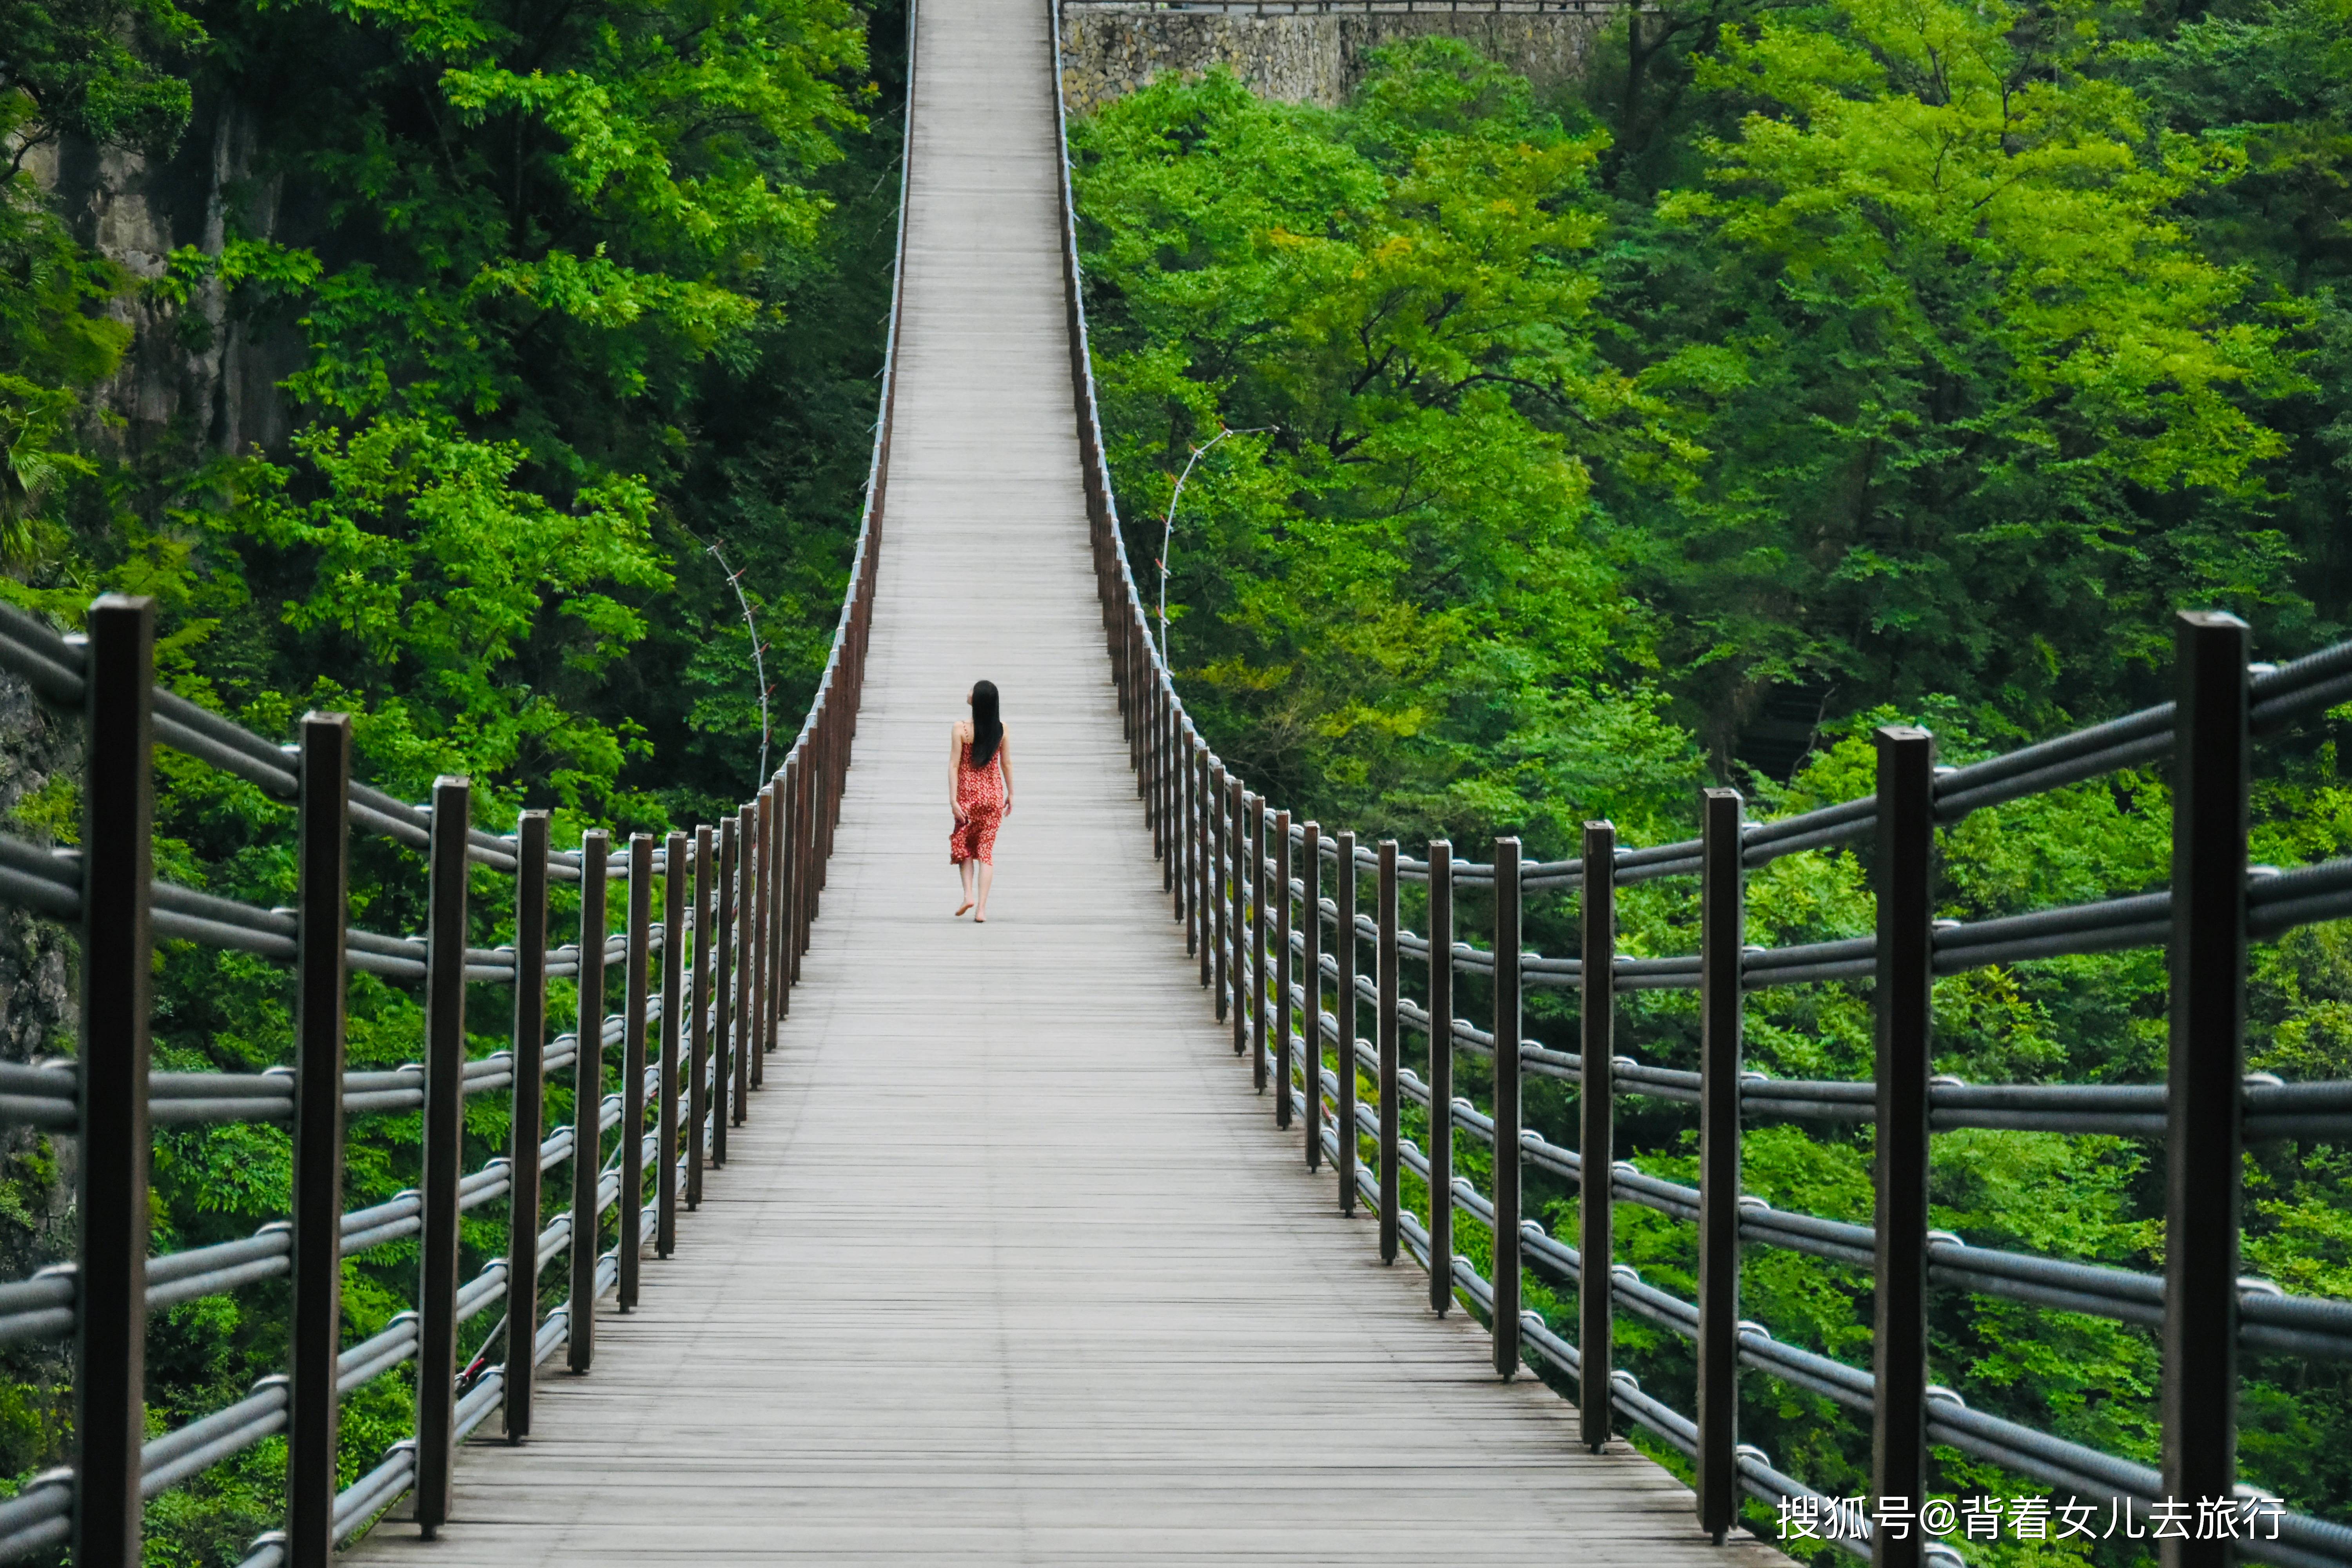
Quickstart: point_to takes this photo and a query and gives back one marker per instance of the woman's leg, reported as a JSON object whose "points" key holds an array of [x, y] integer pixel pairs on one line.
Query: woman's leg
{"points": [[987, 875], [963, 869]]}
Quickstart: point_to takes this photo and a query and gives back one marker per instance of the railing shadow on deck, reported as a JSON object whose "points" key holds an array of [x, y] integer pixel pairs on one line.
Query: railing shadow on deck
{"points": [[1231, 875], [728, 964]]}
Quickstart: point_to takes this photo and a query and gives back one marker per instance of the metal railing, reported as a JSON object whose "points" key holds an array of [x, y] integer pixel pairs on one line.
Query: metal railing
{"points": [[1283, 962], [739, 900]]}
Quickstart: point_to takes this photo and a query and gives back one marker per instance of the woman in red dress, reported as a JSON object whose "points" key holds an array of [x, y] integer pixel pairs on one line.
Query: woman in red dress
{"points": [[980, 793]]}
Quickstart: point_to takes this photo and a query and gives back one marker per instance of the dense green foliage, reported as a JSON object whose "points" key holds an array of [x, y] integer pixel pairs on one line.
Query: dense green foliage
{"points": [[559, 297], [1811, 367]]}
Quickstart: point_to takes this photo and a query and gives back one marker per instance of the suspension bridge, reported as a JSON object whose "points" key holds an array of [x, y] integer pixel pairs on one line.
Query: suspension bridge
{"points": [[1081, 1236]]}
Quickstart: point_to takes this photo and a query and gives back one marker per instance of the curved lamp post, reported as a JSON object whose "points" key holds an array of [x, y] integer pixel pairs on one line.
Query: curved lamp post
{"points": [[1167, 529]]}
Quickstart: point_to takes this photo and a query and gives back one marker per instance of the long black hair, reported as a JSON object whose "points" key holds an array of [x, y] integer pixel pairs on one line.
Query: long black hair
{"points": [[987, 729]]}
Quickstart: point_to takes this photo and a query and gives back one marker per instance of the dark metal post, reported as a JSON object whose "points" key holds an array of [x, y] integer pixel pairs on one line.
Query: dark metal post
{"points": [[1441, 1076], [1260, 894], [746, 988], [1390, 1047], [1171, 796], [1344, 1000], [1282, 972], [323, 908], [1311, 967], [722, 992], [796, 865], [787, 880], [588, 1104], [820, 832], [1507, 1030], [829, 817], [674, 1006], [117, 1003], [1171, 805], [780, 989], [1188, 852], [444, 1133], [1213, 919], [758, 865], [1147, 780], [697, 1075], [813, 856], [1597, 1134], [1237, 922], [1905, 877], [1173, 771], [636, 982], [528, 1119], [2204, 1150], [1722, 923]]}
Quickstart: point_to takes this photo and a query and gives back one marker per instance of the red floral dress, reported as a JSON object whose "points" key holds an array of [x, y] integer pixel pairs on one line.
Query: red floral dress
{"points": [[980, 796]]}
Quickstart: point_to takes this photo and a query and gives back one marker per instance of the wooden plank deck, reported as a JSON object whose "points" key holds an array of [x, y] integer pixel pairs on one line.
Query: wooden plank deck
{"points": [[1009, 1265]]}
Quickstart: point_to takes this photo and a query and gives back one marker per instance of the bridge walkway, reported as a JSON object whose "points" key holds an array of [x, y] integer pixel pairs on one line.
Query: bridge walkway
{"points": [[1009, 1265]]}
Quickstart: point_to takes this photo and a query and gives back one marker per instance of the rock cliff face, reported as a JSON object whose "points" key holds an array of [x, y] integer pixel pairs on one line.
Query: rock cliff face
{"points": [[36, 998], [39, 1003], [1109, 50], [195, 377], [195, 381]]}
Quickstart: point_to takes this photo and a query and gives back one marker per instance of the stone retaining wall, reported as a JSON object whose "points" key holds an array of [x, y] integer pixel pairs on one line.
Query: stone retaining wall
{"points": [[1110, 50]]}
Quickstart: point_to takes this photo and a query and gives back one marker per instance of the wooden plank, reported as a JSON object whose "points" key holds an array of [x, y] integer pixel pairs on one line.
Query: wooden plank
{"points": [[1009, 1265]]}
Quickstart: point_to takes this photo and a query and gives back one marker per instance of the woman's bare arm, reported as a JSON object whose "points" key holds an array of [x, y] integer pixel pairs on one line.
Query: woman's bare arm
{"points": [[1004, 760], [955, 755]]}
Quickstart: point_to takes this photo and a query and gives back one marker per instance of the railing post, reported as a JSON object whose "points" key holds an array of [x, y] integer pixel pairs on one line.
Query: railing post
{"points": [[1507, 1030], [746, 989], [771, 865], [1441, 1076], [322, 906], [1156, 781], [444, 1133], [788, 875], [759, 867], [803, 863], [780, 989], [1136, 699], [1385, 982], [698, 1077], [1204, 900], [1597, 1135], [821, 820], [825, 799], [1181, 775], [723, 991], [1282, 972], [2205, 1077], [1258, 879], [1343, 995], [674, 1008], [1236, 921], [1172, 802], [588, 1104], [117, 1005], [637, 983], [1722, 925], [1311, 965], [1180, 826], [1904, 1006], [836, 774], [1147, 773], [528, 1118]]}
